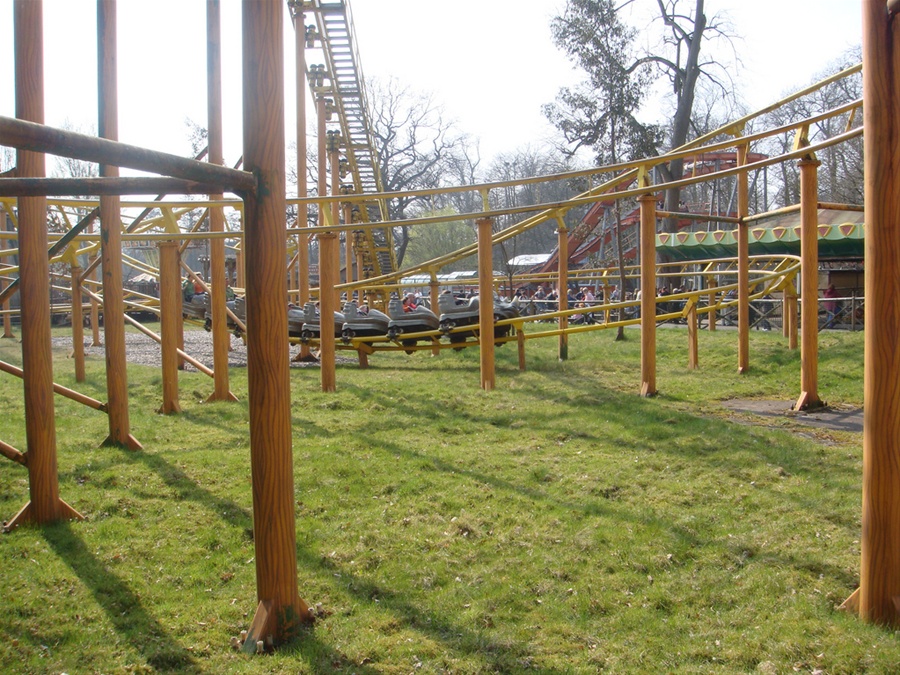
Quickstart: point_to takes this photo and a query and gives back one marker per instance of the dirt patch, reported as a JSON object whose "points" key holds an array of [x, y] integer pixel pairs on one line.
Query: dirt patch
{"points": [[837, 417]]}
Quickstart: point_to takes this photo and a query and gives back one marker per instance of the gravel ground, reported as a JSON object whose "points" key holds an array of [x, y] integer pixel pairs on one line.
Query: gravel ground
{"points": [[144, 350]]}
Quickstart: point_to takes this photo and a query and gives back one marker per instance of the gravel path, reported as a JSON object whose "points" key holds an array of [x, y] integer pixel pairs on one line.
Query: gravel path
{"points": [[144, 350]]}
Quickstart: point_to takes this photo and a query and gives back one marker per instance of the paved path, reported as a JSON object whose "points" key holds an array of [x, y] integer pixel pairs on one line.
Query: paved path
{"points": [[839, 417]]}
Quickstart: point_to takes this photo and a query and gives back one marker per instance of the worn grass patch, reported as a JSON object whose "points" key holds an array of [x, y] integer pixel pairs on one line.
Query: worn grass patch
{"points": [[559, 524]]}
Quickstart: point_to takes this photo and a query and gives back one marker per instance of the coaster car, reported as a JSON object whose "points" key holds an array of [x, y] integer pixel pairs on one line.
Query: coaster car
{"points": [[310, 328], [418, 320], [296, 317], [455, 313], [196, 307], [233, 306], [363, 322]]}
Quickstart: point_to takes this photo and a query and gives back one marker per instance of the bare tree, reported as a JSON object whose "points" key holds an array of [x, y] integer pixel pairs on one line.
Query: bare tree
{"points": [[841, 176], [515, 166], [676, 57], [427, 242], [415, 144]]}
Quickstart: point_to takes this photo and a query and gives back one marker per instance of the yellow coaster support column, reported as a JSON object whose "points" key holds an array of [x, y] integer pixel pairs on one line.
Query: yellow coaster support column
{"points": [[693, 351], [563, 246], [170, 320], [486, 303], [435, 295], [711, 315], [4, 243], [648, 294], [328, 272], [77, 323], [743, 251], [790, 315], [809, 286]]}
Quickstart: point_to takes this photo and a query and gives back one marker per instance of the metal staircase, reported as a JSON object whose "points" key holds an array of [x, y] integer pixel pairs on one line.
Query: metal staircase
{"points": [[343, 83]]}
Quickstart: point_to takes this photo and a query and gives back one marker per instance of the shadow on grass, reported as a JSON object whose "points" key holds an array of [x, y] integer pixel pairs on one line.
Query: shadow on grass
{"points": [[121, 604], [502, 657], [321, 657]]}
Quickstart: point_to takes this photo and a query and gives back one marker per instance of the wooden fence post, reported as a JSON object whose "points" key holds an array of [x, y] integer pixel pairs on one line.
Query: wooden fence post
{"points": [[217, 296], [280, 611], [879, 577], [45, 505], [809, 286], [111, 237]]}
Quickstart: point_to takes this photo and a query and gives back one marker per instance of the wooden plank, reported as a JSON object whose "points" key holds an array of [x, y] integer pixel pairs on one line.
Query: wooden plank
{"points": [[78, 187], [24, 135], [10, 452], [76, 396]]}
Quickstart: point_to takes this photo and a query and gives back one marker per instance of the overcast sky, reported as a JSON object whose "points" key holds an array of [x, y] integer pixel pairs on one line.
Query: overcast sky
{"points": [[490, 63]]}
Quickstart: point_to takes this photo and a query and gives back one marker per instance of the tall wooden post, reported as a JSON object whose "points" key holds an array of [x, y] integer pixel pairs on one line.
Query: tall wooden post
{"points": [[302, 209], [111, 237], [562, 238], [34, 288], [170, 320], [280, 611], [220, 335], [648, 294], [300, 46], [809, 286], [77, 323], [879, 587], [486, 302], [743, 251]]}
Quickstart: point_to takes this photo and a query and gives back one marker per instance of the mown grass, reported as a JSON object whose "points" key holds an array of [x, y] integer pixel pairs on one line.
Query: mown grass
{"points": [[560, 524]]}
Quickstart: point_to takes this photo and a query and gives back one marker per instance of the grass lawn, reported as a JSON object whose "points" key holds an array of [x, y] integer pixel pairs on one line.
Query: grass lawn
{"points": [[559, 524]]}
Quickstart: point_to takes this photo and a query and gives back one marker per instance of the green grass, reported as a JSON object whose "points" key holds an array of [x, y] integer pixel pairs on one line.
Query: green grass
{"points": [[560, 524]]}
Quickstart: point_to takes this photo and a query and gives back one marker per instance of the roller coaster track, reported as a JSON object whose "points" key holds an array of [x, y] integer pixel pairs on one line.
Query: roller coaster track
{"points": [[343, 84]]}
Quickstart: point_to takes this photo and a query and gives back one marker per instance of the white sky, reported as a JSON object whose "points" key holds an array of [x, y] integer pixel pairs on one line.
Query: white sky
{"points": [[491, 63]]}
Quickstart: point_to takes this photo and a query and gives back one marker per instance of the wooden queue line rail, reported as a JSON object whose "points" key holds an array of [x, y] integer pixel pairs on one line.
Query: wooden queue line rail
{"points": [[58, 388], [25, 135], [149, 333]]}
